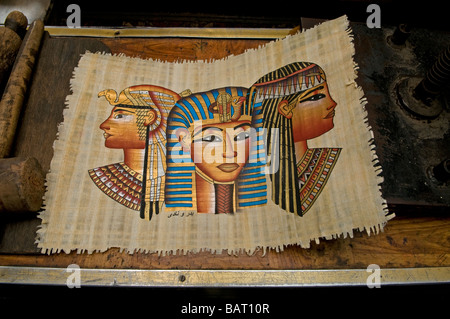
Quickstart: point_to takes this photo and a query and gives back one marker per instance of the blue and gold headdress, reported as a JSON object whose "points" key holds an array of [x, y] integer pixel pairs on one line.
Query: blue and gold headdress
{"points": [[211, 107]]}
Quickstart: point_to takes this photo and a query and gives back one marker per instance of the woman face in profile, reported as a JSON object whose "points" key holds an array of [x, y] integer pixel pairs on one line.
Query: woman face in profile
{"points": [[313, 113]]}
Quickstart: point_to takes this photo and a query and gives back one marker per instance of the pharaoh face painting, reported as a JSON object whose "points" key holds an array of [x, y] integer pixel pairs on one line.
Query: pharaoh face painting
{"points": [[207, 152], [213, 161], [222, 149]]}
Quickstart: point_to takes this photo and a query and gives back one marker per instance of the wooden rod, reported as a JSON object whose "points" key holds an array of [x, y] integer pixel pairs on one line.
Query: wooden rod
{"points": [[16, 87], [11, 36], [22, 185]]}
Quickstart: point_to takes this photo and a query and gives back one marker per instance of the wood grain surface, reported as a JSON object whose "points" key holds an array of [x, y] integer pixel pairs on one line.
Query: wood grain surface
{"points": [[179, 49], [405, 243]]}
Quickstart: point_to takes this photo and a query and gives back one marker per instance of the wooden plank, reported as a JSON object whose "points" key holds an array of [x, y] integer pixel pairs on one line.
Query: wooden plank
{"points": [[220, 278], [172, 32], [179, 49], [405, 243], [48, 92]]}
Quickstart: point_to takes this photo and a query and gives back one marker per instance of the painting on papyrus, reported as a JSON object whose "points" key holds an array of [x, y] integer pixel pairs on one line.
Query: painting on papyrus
{"points": [[256, 151]]}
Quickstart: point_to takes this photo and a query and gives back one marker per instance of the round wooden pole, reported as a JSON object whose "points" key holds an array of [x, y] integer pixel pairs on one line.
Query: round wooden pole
{"points": [[16, 88], [22, 185], [10, 40]]}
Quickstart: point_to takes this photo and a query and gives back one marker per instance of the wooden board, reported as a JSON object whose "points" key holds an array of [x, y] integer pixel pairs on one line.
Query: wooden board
{"points": [[179, 49], [405, 243], [411, 240]]}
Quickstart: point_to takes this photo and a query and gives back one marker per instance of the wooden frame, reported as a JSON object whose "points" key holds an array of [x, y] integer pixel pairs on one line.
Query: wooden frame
{"points": [[223, 278]]}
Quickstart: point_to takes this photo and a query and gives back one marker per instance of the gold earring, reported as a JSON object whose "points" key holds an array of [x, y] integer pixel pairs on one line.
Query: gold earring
{"points": [[284, 109]]}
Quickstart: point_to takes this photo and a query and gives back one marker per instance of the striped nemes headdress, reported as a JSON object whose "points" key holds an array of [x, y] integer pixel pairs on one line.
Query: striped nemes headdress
{"points": [[284, 84], [211, 107], [160, 100]]}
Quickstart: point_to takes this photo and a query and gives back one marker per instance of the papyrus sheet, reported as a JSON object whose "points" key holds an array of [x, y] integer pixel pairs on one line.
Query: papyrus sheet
{"points": [[78, 216]]}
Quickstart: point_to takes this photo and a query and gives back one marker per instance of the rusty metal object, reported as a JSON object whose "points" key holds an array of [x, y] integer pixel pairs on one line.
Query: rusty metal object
{"points": [[441, 172], [416, 107], [419, 96], [436, 79], [400, 35]]}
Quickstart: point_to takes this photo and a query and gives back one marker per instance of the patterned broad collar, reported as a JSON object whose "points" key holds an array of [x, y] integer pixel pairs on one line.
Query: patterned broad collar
{"points": [[119, 182], [313, 172]]}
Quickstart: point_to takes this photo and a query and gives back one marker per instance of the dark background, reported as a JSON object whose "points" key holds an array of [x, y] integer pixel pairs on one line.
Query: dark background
{"points": [[311, 302], [233, 13]]}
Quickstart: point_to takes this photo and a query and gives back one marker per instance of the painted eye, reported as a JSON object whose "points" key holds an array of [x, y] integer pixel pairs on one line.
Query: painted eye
{"points": [[315, 97], [119, 116], [242, 136], [211, 138]]}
